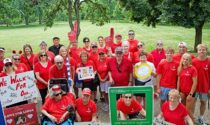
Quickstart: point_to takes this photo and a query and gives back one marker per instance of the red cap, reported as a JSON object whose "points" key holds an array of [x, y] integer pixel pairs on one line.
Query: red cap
{"points": [[7, 60], [86, 91], [101, 51], [56, 88], [118, 35]]}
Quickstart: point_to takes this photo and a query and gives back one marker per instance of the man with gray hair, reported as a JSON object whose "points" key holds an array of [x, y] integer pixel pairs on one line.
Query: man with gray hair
{"points": [[182, 50], [58, 70]]}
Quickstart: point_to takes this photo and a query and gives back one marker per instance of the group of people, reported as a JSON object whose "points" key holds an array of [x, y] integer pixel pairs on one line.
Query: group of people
{"points": [[174, 76]]}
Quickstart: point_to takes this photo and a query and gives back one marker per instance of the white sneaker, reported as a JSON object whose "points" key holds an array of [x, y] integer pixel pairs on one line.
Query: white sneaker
{"points": [[201, 121]]}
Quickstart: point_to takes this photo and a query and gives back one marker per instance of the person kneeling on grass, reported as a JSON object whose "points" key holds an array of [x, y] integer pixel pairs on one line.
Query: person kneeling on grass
{"points": [[57, 107], [129, 108]]}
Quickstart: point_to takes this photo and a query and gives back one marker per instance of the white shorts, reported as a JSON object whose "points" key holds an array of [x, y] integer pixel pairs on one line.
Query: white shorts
{"points": [[105, 86]]}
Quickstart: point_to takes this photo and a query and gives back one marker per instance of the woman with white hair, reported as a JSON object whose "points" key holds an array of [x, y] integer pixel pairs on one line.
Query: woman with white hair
{"points": [[126, 53], [56, 108], [173, 111]]}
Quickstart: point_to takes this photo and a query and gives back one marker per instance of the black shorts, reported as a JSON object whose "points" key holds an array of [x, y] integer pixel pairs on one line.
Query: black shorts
{"points": [[89, 84], [135, 116]]}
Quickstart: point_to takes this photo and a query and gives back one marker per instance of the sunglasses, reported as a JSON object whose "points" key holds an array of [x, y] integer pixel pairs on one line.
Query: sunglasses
{"points": [[140, 45], [8, 64], [119, 53], [59, 62], [43, 55], [58, 94], [159, 44], [94, 46], [130, 33], [16, 59], [86, 41], [101, 53], [128, 97]]}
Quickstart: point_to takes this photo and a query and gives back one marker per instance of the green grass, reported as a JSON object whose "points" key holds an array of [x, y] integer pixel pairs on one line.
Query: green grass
{"points": [[13, 38]]}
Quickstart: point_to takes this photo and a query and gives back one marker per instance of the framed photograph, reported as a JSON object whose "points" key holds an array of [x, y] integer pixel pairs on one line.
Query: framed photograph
{"points": [[132, 105]]}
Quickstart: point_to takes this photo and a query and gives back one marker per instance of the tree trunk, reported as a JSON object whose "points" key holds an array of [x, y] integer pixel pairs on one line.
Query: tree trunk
{"points": [[26, 17], [198, 35], [70, 12], [40, 19], [77, 12]]}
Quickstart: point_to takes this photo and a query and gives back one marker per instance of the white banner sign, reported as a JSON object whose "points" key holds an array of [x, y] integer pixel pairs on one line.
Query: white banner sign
{"points": [[85, 73], [17, 88]]}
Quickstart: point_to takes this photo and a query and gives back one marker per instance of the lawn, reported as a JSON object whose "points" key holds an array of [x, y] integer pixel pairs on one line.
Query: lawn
{"points": [[13, 38]]}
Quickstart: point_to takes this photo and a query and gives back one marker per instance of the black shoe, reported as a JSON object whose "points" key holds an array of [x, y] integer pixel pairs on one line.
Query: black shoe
{"points": [[102, 99]]}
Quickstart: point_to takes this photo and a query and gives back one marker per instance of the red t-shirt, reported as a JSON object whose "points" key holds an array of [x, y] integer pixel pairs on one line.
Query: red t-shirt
{"points": [[133, 108], [56, 73], [177, 57], [176, 116], [185, 78], [43, 73], [86, 111], [50, 55], [203, 68], [121, 72], [29, 62], [115, 45], [94, 57], [102, 68], [57, 108], [87, 50], [136, 59], [168, 72], [158, 56], [21, 67], [75, 54], [128, 56], [133, 45], [1, 65]]}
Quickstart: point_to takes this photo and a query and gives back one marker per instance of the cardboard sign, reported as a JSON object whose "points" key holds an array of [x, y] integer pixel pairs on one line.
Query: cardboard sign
{"points": [[2, 120], [21, 115], [114, 92], [17, 88], [85, 73]]}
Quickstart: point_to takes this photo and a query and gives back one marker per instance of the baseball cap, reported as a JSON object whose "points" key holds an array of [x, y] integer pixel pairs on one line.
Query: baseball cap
{"points": [[7, 60], [119, 49], [2, 49], [118, 35], [86, 91]]}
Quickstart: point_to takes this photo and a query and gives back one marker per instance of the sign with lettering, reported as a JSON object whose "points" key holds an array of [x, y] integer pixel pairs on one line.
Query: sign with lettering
{"points": [[17, 88], [85, 73], [2, 120], [21, 115], [132, 92]]}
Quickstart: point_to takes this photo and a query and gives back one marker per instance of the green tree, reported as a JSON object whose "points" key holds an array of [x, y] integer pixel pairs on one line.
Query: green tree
{"points": [[187, 13], [97, 11]]}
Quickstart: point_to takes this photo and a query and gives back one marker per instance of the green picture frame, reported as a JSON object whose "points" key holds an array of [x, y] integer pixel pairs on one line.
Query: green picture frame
{"points": [[147, 90]]}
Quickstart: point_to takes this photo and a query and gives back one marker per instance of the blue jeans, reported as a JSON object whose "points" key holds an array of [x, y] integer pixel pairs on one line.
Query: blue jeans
{"points": [[67, 122]]}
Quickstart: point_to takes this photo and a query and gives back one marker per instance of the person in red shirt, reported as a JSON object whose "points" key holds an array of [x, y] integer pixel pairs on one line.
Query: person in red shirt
{"points": [[120, 69], [182, 49], [86, 108], [141, 48], [132, 42], [41, 70], [118, 43], [58, 70], [187, 82], [8, 68], [94, 53], [102, 45], [74, 51], [202, 64], [19, 67], [173, 111], [126, 53], [2, 50], [87, 46], [27, 57], [102, 70], [166, 75], [88, 83], [159, 53], [129, 108], [56, 107], [43, 47]]}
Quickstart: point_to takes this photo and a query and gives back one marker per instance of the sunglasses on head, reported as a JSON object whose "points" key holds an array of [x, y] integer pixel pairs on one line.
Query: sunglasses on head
{"points": [[58, 94], [43, 55], [8, 64], [128, 97]]}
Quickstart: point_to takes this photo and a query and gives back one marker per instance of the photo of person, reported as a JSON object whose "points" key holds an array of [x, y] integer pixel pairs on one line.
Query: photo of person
{"points": [[19, 120]]}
